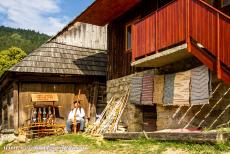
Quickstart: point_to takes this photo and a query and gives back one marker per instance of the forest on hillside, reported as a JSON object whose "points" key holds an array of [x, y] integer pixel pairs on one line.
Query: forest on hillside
{"points": [[27, 40], [15, 44]]}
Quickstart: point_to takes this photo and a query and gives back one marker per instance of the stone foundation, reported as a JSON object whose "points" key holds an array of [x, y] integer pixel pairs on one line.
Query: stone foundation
{"points": [[212, 115], [215, 114], [132, 116]]}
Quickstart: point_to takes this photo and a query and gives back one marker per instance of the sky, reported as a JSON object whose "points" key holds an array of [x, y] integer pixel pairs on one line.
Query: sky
{"points": [[44, 16]]}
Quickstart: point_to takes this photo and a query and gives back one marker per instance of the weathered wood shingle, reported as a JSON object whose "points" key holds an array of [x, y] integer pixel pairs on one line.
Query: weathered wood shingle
{"points": [[59, 58]]}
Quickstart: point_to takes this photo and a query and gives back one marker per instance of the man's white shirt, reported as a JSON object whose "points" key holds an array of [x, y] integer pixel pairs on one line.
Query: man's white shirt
{"points": [[80, 114]]}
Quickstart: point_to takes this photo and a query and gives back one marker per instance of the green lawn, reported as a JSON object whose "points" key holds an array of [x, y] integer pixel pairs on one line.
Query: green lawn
{"points": [[98, 145]]}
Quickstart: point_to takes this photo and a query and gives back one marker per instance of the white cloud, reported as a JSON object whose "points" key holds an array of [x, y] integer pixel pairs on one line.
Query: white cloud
{"points": [[38, 15]]}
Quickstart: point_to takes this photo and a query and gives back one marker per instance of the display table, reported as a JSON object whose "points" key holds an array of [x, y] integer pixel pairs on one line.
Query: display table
{"points": [[35, 130], [43, 114]]}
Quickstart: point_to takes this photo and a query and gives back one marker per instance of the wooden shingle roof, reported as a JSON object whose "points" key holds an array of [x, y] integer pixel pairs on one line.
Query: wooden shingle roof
{"points": [[59, 58]]}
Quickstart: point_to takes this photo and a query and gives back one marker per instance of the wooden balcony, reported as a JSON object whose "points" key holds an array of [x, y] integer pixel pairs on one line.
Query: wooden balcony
{"points": [[204, 29], [160, 30]]}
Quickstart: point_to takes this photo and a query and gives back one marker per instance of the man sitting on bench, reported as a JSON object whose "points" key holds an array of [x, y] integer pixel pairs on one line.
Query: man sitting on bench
{"points": [[79, 114]]}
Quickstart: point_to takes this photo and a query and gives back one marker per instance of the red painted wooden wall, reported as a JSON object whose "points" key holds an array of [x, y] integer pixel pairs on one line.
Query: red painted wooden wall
{"points": [[180, 21]]}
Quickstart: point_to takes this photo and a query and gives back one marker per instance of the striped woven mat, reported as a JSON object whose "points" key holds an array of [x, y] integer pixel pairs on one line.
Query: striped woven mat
{"points": [[200, 86], [168, 89], [182, 88], [135, 91], [158, 87], [147, 90]]}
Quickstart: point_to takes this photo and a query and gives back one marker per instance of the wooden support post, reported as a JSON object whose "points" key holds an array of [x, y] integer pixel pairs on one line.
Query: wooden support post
{"points": [[156, 28], [218, 48], [133, 43], [188, 41], [16, 104], [94, 103], [1, 115], [75, 115], [54, 114], [156, 31]]}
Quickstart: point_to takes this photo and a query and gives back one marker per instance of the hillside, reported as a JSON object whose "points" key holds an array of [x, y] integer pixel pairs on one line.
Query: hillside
{"points": [[27, 40]]}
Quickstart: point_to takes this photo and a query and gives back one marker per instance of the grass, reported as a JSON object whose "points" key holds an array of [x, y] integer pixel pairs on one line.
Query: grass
{"points": [[98, 145]]}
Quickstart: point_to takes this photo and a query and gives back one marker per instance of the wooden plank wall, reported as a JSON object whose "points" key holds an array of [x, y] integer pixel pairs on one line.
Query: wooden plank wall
{"points": [[84, 35], [212, 31], [7, 108], [102, 100], [4, 110], [161, 29], [10, 109], [215, 35], [119, 60], [67, 93], [205, 21], [15, 104], [224, 32]]}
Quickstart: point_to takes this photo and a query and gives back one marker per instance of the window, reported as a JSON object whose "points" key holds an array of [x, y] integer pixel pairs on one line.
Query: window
{"points": [[128, 37]]}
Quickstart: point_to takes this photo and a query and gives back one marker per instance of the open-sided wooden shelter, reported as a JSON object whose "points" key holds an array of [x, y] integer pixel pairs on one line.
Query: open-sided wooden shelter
{"points": [[74, 59]]}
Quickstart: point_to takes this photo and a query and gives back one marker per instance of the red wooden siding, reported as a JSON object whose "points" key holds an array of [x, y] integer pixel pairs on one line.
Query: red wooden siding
{"points": [[211, 29], [183, 20], [224, 32], [161, 29], [203, 23], [144, 35], [170, 24]]}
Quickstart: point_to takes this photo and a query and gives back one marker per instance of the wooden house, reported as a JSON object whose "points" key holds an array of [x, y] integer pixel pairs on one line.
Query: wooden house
{"points": [[161, 37], [74, 59]]}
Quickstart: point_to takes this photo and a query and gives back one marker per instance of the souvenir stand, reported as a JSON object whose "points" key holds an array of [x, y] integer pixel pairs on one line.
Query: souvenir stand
{"points": [[43, 116]]}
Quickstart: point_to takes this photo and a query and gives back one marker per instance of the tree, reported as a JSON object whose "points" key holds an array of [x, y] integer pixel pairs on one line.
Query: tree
{"points": [[27, 40], [10, 57]]}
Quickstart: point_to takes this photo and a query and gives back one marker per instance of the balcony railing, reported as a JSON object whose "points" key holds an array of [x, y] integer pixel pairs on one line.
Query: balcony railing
{"points": [[179, 22], [163, 28]]}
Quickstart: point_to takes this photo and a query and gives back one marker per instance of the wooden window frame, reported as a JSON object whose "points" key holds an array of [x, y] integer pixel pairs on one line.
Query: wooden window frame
{"points": [[130, 23], [126, 38]]}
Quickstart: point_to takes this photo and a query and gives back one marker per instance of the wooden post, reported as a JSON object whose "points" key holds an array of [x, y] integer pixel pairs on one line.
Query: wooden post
{"points": [[133, 43], [218, 47], [54, 114], [94, 103], [16, 104], [75, 116], [3, 116], [156, 30], [188, 26]]}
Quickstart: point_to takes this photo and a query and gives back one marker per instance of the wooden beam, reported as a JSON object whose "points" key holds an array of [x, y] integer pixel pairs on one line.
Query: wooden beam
{"points": [[16, 104], [75, 116], [203, 57], [218, 48], [94, 103], [188, 26], [200, 137]]}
